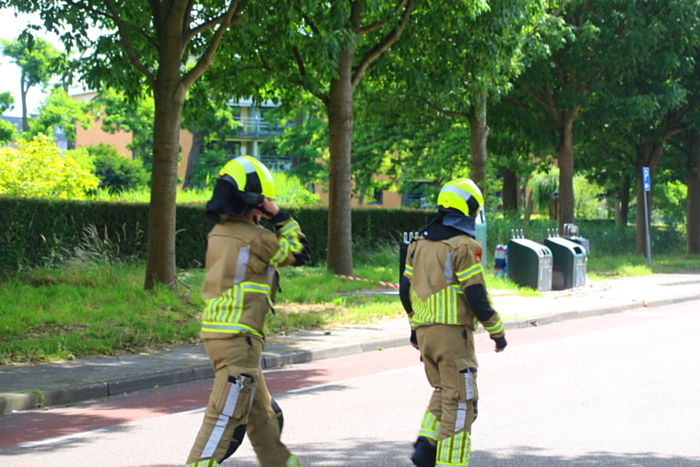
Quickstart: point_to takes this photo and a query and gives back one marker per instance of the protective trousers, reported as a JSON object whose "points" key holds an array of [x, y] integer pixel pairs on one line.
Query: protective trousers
{"points": [[239, 403], [450, 366]]}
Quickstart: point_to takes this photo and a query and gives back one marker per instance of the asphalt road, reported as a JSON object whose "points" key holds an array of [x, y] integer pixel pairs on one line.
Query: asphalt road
{"points": [[617, 390]]}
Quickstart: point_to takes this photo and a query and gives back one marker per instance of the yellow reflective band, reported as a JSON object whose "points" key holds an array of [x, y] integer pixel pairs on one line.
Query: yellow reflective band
{"points": [[223, 314], [292, 462], [206, 463], [281, 254], [291, 224], [430, 427], [470, 272], [496, 328], [236, 328], [454, 451], [441, 307], [408, 271]]}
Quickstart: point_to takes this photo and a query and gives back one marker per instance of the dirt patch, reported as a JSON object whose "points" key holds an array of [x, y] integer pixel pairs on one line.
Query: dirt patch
{"points": [[299, 308]]}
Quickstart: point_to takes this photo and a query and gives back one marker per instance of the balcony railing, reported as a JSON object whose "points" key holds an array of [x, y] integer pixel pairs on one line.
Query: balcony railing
{"points": [[277, 163], [252, 127]]}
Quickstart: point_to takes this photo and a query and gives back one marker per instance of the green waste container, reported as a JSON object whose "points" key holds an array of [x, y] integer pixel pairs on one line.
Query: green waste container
{"points": [[529, 264], [569, 268]]}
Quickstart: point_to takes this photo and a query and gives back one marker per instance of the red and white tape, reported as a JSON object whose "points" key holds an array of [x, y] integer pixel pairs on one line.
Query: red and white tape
{"points": [[385, 284]]}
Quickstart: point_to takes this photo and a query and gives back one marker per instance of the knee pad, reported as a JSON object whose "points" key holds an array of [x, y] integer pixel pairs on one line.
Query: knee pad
{"points": [[278, 411], [236, 440], [424, 453]]}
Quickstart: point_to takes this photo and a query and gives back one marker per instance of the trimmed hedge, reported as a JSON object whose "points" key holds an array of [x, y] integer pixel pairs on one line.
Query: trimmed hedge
{"points": [[40, 232], [37, 232]]}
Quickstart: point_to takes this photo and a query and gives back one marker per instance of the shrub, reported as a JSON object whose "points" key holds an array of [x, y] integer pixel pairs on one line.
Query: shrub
{"points": [[115, 171], [38, 169]]}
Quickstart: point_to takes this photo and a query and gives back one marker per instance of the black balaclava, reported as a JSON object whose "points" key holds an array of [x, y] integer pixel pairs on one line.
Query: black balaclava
{"points": [[227, 199], [449, 223]]}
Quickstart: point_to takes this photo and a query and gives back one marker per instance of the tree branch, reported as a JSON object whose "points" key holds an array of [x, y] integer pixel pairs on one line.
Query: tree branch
{"points": [[368, 29], [311, 24], [232, 16], [126, 45], [218, 20], [550, 109], [379, 49], [452, 113], [113, 15]]}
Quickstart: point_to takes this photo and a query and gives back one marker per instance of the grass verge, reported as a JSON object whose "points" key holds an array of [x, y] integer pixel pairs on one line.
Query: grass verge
{"points": [[89, 310]]}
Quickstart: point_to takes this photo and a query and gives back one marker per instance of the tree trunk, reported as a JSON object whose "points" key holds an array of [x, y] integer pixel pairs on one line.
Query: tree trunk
{"points": [[23, 96], [169, 98], [648, 155], [692, 246], [195, 151], [509, 193], [565, 155], [529, 206], [340, 127], [622, 212], [298, 123], [479, 132]]}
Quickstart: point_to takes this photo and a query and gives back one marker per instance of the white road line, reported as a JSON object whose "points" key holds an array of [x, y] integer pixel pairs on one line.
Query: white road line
{"points": [[62, 438]]}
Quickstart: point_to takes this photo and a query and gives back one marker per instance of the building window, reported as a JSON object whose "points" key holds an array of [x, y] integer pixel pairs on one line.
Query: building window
{"points": [[378, 197]]}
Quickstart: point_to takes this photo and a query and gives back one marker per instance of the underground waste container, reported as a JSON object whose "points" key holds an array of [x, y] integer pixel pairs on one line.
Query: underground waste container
{"points": [[529, 264], [569, 263]]}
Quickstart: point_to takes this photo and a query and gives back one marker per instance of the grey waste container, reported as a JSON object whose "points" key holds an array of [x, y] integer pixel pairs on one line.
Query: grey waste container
{"points": [[569, 265], [529, 264], [570, 232], [481, 237], [580, 241]]}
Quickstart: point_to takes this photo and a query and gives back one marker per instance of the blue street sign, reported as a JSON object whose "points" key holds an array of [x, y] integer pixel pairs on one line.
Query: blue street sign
{"points": [[646, 177]]}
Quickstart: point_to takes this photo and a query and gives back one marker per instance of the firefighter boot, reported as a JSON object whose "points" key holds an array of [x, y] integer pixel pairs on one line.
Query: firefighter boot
{"points": [[424, 453]]}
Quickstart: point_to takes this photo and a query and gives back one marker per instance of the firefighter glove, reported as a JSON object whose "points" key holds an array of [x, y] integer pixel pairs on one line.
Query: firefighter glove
{"points": [[500, 343]]}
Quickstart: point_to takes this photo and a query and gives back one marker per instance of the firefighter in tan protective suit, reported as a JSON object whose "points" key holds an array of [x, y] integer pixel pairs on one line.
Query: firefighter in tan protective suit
{"points": [[239, 289], [444, 294]]}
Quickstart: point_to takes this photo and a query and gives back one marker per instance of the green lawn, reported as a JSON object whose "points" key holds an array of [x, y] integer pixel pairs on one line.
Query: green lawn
{"points": [[88, 310]]}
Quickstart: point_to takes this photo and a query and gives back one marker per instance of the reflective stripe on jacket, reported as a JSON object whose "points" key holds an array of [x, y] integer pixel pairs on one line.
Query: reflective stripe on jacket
{"points": [[241, 276], [439, 272]]}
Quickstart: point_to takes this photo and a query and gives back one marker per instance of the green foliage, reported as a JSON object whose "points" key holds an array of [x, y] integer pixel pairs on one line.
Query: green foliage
{"points": [[37, 59], [543, 185], [115, 171], [305, 143], [6, 101], [38, 169], [122, 112], [670, 202], [289, 191], [8, 132], [59, 110], [588, 195], [206, 170]]}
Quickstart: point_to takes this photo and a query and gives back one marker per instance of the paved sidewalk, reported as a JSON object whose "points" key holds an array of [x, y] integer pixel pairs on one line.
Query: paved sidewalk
{"points": [[30, 386]]}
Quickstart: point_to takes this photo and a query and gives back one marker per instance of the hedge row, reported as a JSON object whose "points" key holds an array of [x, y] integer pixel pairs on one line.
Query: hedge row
{"points": [[38, 232]]}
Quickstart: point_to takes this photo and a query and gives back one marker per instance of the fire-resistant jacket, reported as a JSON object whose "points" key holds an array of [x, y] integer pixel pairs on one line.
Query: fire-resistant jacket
{"points": [[447, 285], [241, 276]]}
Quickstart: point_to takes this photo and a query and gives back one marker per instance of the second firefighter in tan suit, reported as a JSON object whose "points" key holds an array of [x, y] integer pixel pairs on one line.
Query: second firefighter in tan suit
{"points": [[444, 294], [239, 289]]}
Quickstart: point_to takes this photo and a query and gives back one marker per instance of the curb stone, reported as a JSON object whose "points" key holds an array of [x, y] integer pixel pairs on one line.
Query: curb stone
{"points": [[14, 402]]}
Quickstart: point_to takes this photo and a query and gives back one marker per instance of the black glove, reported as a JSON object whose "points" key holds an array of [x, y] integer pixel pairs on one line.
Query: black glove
{"points": [[500, 343], [413, 340]]}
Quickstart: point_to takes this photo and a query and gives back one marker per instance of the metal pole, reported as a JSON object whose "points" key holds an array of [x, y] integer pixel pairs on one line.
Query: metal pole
{"points": [[648, 228]]}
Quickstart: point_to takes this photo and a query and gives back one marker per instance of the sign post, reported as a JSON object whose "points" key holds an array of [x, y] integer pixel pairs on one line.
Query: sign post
{"points": [[646, 180]]}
